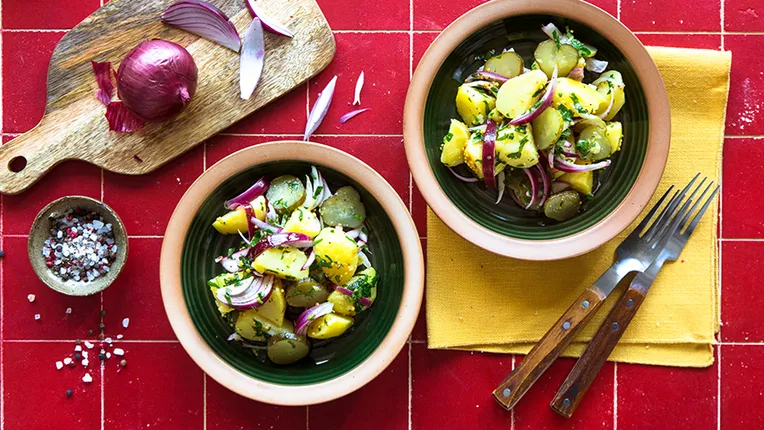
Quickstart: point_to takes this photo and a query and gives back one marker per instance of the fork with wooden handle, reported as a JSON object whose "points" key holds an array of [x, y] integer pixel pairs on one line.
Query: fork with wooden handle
{"points": [[583, 373], [635, 253]]}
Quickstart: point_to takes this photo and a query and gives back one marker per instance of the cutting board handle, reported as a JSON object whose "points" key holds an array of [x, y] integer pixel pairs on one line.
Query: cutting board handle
{"points": [[25, 159]]}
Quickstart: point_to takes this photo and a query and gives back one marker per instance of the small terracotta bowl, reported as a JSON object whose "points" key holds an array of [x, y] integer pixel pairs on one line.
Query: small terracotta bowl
{"points": [[344, 364], [469, 209], [41, 231]]}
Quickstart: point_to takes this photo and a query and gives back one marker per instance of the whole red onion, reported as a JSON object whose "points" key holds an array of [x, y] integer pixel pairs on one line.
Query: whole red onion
{"points": [[156, 80]]}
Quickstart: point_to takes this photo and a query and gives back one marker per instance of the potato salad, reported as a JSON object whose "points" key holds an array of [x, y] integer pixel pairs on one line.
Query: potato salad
{"points": [[541, 133], [301, 273]]}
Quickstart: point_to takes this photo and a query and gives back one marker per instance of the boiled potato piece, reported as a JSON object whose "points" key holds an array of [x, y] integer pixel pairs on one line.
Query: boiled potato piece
{"points": [[284, 262], [274, 308], [562, 206], [576, 96], [306, 293], [515, 147], [592, 144], [608, 90], [580, 181], [453, 144], [252, 326], [518, 94], [285, 193], [496, 116], [287, 348], [473, 156], [223, 280], [236, 220], [548, 55], [473, 105], [363, 285], [223, 308], [547, 128], [329, 326], [613, 76], [303, 221], [343, 208], [507, 64], [614, 135], [336, 254]]}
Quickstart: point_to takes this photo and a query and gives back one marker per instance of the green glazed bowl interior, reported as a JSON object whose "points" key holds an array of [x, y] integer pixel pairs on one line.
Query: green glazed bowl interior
{"points": [[202, 244], [523, 33]]}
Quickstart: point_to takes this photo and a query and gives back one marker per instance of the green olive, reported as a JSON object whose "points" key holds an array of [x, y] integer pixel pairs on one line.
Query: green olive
{"points": [[306, 293], [562, 206], [287, 348], [343, 208], [285, 193]]}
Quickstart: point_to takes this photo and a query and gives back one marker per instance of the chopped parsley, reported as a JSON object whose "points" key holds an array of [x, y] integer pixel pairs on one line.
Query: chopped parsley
{"points": [[583, 147], [519, 152], [556, 37], [538, 92], [448, 137], [567, 114], [580, 46], [577, 103]]}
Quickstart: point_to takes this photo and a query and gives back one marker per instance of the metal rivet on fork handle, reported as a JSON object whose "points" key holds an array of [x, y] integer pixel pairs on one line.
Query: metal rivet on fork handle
{"points": [[585, 304], [507, 392], [614, 326], [630, 303], [566, 325]]}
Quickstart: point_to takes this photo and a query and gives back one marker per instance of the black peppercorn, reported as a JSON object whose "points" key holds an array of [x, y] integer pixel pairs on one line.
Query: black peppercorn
{"points": [[102, 356], [103, 312], [90, 332], [101, 326], [69, 393], [77, 356]]}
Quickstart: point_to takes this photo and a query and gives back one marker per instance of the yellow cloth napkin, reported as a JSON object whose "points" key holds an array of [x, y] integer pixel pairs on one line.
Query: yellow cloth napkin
{"points": [[477, 300]]}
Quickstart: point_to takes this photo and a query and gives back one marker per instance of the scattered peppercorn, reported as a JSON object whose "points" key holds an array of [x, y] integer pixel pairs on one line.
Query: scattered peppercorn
{"points": [[90, 332], [101, 326], [77, 356], [77, 342], [123, 363], [69, 393], [102, 356], [2, 254], [103, 312]]}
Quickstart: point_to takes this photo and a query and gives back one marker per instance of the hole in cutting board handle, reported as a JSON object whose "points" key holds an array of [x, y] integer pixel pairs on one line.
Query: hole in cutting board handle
{"points": [[17, 164]]}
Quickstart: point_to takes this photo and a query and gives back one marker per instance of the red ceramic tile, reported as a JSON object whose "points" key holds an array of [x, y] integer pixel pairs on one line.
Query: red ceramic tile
{"points": [[366, 14], [422, 41], [136, 295], [743, 15], [700, 41], [671, 15], [384, 154], [227, 410], [34, 391], [19, 280], [222, 146], [745, 111], [742, 203], [742, 265], [420, 328], [594, 412], [46, 13], [670, 397], [25, 70], [452, 389], [145, 203], [742, 378], [384, 59], [160, 388], [363, 406], [68, 178], [287, 114]]}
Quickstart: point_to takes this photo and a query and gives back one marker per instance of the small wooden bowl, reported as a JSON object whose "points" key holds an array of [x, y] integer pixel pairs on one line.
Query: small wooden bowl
{"points": [[41, 231], [469, 209]]}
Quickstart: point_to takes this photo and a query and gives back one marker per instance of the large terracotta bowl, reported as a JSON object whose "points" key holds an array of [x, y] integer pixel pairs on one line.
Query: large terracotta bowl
{"points": [[468, 209], [377, 336]]}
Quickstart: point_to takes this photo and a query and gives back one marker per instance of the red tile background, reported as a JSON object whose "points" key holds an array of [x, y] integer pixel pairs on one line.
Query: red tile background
{"points": [[422, 389]]}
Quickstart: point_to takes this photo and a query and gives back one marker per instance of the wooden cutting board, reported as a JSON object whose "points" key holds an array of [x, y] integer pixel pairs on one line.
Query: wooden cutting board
{"points": [[74, 126]]}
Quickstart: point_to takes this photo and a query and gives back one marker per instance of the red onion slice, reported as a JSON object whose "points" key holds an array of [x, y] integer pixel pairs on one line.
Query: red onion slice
{"points": [[256, 190], [231, 264], [481, 75], [252, 59], [550, 158], [570, 154], [364, 259], [502, 185], [489, 153], [269, 23], [568, 167], [258, 292], [343, 290], [460, 177], [534, 186], [121, 119], [310, 315], [345, 118], [102, 72], [203, 19], [358, 88], [576, 74], [262, 225], [311, 259], [353, 234], [320, 108], [546, 100], [558, 186], [596, 66], [546, 181], [240, 287], [604, 115], [365, 302], [297, 240]]}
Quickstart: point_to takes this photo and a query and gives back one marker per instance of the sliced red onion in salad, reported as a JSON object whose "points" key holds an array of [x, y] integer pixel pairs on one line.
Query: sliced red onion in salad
{"points": [[460, 177], [244, 199], [566, 166], [596, 66], [320, 108], [231, 264], [604, 115], [297, 240], [541, 105], [365, 302], [205, 20], [576, 74], [364, 259], [546, 182], [257, 293], [534, 186], [558, 186], [489, 153], [262, 225], [311, 259], [310, 315], [269, 23], [502, 185], [482, 75], [358, 88], [343, 290]]}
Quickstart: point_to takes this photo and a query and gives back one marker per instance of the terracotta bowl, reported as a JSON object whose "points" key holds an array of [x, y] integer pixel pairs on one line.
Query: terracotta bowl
{"points": [[41, 230], [349, 362], [468, 209]]}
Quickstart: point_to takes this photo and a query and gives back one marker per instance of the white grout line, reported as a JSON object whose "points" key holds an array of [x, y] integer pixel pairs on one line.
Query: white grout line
{"points": [[36, 30], [743, 136], [618, 11], [721, 22], [615, 396], [735, 239]]}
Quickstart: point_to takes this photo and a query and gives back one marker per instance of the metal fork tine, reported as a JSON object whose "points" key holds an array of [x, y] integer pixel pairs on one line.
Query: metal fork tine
{"points": [[672, 225], [665, 227], [637, 231], [697, 202], [667, 209], [662, 220], [702, 211]]}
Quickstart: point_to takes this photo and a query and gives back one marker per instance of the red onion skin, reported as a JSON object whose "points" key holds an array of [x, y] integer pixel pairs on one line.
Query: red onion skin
{"points": [[157, 79], [489, 154]]}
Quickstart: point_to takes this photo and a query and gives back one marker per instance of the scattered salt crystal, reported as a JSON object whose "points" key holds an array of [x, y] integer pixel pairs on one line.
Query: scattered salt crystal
{"points": [[85, 354], [125, 322], [67, 361], [85, 362], [77, 348], [119, 336], [87, 378], [108, 340], [31, 298], [119, 351], [36, 316], [68, 311], [59, 365], [89, 345], [108, 355]]}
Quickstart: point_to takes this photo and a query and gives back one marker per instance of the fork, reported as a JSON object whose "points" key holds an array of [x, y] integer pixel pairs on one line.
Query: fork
{"points": [[635, 253], [591, 361]]}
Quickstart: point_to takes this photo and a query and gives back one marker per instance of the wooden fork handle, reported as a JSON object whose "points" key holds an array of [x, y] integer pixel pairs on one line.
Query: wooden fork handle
{"points": [[548, 348], [583, 373]]}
